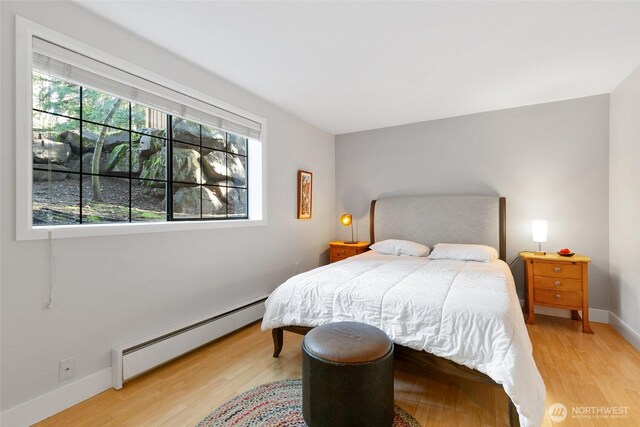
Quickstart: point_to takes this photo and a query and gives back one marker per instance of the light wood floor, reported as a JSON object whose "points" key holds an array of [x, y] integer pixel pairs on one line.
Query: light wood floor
{"points": [[599, 370]]}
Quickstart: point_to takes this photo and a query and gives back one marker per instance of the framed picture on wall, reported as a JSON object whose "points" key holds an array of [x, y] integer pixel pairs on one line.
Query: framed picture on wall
{"points": [[305, 183]]}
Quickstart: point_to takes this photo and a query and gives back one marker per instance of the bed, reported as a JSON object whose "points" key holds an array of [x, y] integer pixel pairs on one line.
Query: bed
{"points": [[459, 317]]}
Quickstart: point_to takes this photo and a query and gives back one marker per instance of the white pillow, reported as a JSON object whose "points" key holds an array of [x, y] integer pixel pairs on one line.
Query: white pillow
{"points": [[400, 247], [463, 252]]}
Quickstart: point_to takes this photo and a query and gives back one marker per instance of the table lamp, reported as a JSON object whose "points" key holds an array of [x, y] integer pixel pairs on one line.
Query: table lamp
{"points": [[347, 220], [539, 234]]}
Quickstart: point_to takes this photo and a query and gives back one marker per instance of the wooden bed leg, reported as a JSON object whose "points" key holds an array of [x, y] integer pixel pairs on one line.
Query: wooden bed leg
{"points": [[514, 418], [277, 341]]}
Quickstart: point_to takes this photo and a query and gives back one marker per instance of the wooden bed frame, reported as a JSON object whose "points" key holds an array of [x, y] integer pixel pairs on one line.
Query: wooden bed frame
{"points": [[422, 358]]}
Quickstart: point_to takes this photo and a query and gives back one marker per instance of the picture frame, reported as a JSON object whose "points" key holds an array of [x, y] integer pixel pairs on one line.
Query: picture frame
{"points": [[305, 194]]}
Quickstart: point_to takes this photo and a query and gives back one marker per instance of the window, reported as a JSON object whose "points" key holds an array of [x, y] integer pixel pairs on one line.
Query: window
{"points": [[101, 159], [115, 149]]}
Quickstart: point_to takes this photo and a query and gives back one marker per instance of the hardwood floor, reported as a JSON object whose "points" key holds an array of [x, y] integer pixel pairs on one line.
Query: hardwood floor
{"points": [[579, 370]]}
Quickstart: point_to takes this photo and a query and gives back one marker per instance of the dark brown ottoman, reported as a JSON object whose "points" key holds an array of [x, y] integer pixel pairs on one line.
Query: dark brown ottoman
{"points": [[347, 376]]}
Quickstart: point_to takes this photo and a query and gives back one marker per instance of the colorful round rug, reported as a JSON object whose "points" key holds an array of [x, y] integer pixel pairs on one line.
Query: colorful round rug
{"points": [[276, 404]]}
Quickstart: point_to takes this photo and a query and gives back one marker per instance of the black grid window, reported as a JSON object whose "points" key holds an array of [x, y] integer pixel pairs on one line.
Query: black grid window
{"points": [[101, 159]]}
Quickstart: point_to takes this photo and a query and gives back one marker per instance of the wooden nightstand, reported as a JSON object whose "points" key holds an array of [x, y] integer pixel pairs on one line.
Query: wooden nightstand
{"points": [[340, 250], [559, 282]]}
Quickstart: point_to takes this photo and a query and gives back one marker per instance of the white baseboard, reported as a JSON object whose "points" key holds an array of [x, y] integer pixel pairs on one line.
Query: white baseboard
{"points": [[51, 403], [595, 314], [625, 330]]}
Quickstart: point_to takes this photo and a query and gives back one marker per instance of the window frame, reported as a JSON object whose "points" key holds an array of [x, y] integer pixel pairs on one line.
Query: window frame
{"points": [[256, 150]]}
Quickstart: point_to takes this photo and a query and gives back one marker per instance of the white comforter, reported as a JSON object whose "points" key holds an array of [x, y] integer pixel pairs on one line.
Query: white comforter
{"points": [[467, 312]]}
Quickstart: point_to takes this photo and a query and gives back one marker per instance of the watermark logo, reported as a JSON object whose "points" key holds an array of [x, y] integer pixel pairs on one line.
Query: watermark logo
{"points": [[558, 412], [600, 412]]}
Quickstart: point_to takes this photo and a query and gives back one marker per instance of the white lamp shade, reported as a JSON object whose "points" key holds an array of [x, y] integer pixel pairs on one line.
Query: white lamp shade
{"points": [[539, 230]]}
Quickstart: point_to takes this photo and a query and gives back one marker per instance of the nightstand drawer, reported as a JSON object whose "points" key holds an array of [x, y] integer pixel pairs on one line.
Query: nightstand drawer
{"points": [[340, 250], [557, 269], [559, 298], [344, 252], [557, 283]]}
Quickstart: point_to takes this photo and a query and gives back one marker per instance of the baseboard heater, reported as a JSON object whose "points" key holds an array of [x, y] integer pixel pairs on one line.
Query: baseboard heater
{"points": [[136, 358]]}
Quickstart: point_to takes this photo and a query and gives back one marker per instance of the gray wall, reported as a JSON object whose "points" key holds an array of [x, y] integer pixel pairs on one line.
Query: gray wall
{"points": [[112, 290], [624, 201], [549, 160]]}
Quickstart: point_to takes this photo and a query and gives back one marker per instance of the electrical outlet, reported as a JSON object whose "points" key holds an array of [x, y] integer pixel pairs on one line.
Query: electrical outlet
{"points": [[296, 267], [67, 369]]}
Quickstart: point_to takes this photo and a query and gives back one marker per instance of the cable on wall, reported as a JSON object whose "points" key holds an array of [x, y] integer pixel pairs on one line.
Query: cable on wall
{"points": [[515, 259]]}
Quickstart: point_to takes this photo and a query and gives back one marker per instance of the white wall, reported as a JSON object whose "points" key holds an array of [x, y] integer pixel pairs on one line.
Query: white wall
{"points": [[549, 160], [111, 290], [624, 203]]}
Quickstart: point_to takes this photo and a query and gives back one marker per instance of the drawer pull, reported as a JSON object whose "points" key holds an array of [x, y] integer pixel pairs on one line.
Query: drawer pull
{"points": [[557, 296], [557, 283], [557, 269]]}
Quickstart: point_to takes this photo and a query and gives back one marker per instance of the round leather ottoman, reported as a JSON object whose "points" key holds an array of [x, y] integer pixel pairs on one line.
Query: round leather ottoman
{"points": [[347, 376]]}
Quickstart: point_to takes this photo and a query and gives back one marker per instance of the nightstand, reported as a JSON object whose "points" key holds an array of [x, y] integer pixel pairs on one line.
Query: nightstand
{"points": [[340, 250], [560, 282]]}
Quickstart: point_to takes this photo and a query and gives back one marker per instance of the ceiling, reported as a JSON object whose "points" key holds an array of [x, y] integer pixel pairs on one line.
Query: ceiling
{"points": [[350, 66]]}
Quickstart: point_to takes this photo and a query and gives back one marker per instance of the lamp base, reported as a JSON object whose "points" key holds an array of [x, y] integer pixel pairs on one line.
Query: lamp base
{"points": [[539, 253], [349, 243]]}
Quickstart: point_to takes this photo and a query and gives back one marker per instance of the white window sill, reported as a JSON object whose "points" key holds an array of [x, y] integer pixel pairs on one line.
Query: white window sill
{"points": [[93, 230]]}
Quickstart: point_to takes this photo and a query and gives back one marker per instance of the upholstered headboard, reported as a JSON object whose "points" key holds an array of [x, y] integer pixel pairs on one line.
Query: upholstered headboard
{"points": [[441, 219]]}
